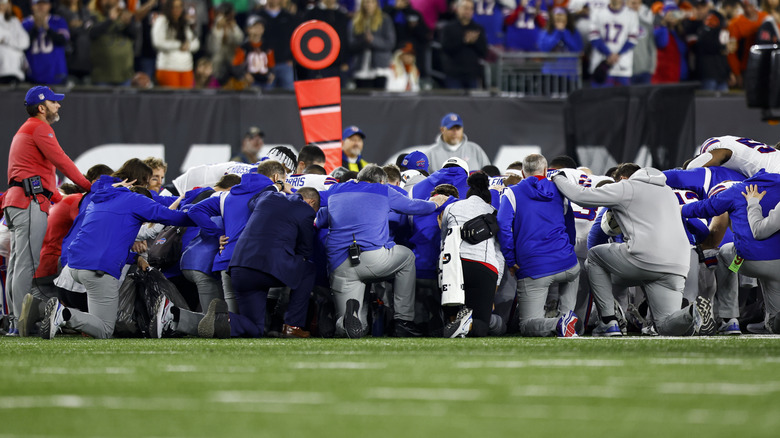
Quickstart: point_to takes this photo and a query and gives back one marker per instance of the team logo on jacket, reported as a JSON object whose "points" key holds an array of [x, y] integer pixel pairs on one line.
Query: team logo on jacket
{"points": [[51, 135], [160, 241]]}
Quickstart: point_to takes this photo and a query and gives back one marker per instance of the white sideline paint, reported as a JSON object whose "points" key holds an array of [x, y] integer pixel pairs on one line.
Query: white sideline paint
{"points": [[279, 397], [58, 370], [338, 365], [553, 363], [181, 369], [435, 394], [721, 388], [702, 361], [589, 391]]}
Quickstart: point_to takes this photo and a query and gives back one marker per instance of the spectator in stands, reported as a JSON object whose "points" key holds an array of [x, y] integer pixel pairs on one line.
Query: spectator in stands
{"points": [[253, 61], [377, 258], [453, 142], [113, 40], [672, 50], [146, 57], [250, 146], [645, 57], [175, 42], [769, 33], [409, 28], [371, 41], [705, 27], [482, 263], [560, 36], [613, 36], [524, 25], [464, 45], [742, 30], [223, 40], [80, 20], [404, 74], [279, 27], [490, 15], [204, 74], [241, 8], [431, 11], [14, 41], [49, 37], [159, 167], [352, 149], [332, 13]]}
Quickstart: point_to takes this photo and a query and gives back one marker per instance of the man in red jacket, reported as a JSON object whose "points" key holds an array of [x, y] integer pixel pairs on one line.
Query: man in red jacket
{"points": [[33, 159]]}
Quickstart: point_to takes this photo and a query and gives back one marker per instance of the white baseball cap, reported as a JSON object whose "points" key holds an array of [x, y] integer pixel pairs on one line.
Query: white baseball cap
{"points": [[458, 162]]}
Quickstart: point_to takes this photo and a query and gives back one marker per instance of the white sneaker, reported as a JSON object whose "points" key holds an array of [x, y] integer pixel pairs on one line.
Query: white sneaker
{"points": [[461, 326], [610, 329], [52, 319], [162, 317], [730, 327]]}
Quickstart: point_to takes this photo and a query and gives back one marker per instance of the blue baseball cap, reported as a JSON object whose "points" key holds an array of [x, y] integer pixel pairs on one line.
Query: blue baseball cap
{"points": [[416, 160], [451, 120], [350, 131], [39, 94]]}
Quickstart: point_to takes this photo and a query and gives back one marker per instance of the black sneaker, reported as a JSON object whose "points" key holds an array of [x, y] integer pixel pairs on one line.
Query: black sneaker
{"points": [[352, 324], [216, 322], [461, 326], [30, 315], [707, 323], [406, 329]]}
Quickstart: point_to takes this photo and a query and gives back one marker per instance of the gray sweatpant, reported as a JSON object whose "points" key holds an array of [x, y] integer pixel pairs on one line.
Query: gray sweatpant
{"points": [[532, 295], [691, 290], [766, 271], [28, 228], [348, 282], [610, 263], [727, 289], [209, 287], [229, 292], [102, 302]]}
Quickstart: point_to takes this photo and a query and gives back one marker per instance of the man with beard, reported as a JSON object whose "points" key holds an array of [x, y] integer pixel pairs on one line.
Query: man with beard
{"points": [[34, 157]]}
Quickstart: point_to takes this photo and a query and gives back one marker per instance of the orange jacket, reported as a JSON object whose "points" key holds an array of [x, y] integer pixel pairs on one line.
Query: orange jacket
{"points": [[744, 31]]}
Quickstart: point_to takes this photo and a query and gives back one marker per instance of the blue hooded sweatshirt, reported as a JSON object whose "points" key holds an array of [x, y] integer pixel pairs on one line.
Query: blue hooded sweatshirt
{"points": [[361, 209], [234, 218], [732, 201], [456, 176], [536, 228], [102, 181], [110, 226]]}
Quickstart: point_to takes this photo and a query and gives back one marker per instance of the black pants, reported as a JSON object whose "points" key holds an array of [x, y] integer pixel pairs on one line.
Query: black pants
{"points": [[479, 283]]}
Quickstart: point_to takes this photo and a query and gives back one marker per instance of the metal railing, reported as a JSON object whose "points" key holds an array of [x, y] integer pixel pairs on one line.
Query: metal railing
{"points": [[522, 74]]}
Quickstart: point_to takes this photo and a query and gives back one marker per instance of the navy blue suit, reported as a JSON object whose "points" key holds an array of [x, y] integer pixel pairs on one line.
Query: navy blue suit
{"points": [[274, 250]]}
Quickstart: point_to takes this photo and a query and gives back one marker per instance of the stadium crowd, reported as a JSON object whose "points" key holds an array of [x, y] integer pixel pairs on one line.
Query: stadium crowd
{"points": [[452, 248], [385, 44]]}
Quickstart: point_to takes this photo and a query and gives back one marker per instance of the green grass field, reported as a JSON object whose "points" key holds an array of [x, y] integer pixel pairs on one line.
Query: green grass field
{"points": [[497, 387]]}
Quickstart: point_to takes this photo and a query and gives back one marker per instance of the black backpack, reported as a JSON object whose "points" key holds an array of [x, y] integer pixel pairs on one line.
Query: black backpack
{"points": [[167, 247], [479, 229]]}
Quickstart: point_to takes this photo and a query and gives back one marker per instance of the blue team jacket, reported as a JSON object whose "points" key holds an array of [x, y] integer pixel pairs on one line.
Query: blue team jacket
{"points": [[110, 226], [534, 232], [449, 175], [732, 201], [361, 209], [102, 181], [701, 179], [236, 214]]}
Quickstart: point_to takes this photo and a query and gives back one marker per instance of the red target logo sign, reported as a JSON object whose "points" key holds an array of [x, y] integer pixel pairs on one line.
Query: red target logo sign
{"points": [[315, 45]]}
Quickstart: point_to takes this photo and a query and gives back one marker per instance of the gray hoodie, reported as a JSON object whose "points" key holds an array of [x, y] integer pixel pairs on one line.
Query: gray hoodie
{"points": [[649, 215], [470, 152]]}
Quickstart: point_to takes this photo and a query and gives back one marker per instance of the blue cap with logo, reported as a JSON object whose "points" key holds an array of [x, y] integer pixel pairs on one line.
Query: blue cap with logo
{"points": [[350, 131], [416, 160], [451, 120], [39, 94]]}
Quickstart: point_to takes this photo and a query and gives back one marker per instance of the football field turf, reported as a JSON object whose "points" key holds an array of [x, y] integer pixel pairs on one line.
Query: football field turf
{"points": [[461, 388]]}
